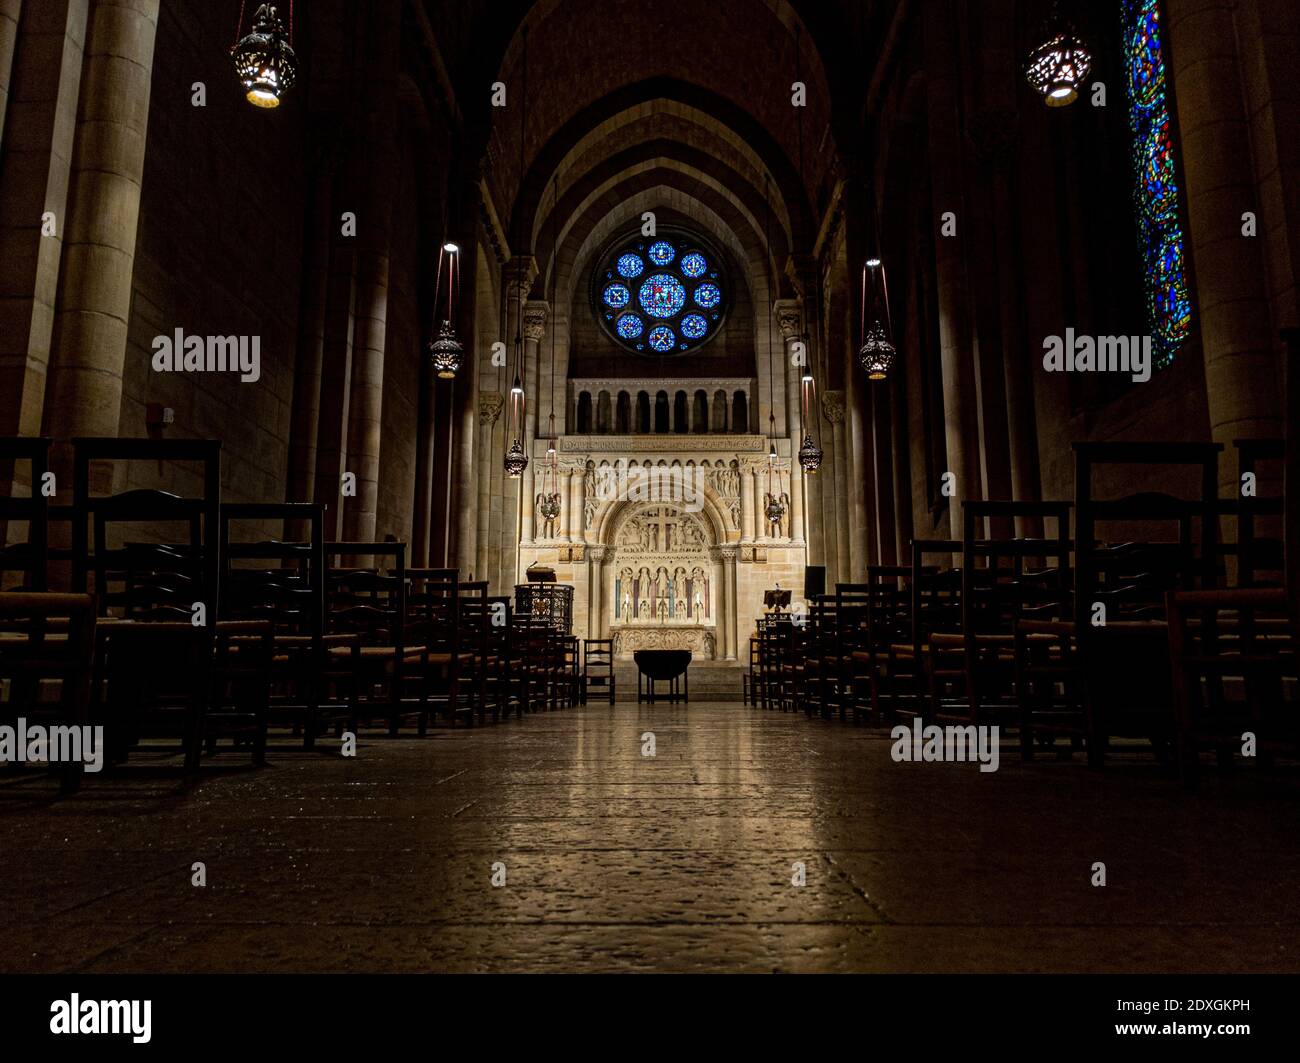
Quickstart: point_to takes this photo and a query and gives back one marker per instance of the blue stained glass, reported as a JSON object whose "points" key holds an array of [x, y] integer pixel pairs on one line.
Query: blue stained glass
{"points": [[1156, 191], [662, 295], [630, 265], [617, 296], [662, 252], [694, 326], [708, 296], [694, 264], [662, 338], [630, 326]]}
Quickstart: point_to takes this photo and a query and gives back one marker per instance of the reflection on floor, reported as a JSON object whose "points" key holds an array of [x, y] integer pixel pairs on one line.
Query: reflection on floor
{"points": [[615, 861]]}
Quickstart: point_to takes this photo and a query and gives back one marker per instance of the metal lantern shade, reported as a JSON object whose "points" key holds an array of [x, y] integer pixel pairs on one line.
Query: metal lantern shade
{"points": [[516, 460], [774, 510], [447, 352], [877, 353], [810, 455], [264, 60], [550, 506], [1058, 66]]}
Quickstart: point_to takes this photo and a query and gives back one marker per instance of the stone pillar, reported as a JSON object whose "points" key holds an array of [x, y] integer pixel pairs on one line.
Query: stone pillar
{"points": [[577, 503], [596, 597], [943, 106], [370, 315], [746, 502], [85, 390], [304, 415], [789, 319], [535, 312], [564, 476], [489, 411], [40, 123], [9, 12], [763, 482], [1241, 362], [833, 410], [729, 613]]}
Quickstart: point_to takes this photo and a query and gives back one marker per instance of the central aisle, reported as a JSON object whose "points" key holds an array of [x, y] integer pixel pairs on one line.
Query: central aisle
{"points": [[615, 861]]}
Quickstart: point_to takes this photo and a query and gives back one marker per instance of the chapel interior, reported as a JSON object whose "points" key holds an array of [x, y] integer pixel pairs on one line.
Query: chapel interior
{"points": [[548, 485]]}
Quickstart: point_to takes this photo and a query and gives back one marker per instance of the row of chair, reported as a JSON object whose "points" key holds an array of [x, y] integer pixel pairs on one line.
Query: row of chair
{"points": [[214, 632], [1181, 640]]}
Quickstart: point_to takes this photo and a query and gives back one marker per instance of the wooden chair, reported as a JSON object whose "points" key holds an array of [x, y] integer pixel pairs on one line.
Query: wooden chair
{"points": [[1003, 581], [283, 582], [47, 638], [598, 669], [28, 555], [1126, 683], [1235, 676], [369, 603], [446, 674]]}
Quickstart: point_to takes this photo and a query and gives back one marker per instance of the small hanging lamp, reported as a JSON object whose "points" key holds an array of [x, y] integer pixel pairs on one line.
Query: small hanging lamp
{"points": [[877, 352], [1057, 67], [446, 352], [264, 59]]}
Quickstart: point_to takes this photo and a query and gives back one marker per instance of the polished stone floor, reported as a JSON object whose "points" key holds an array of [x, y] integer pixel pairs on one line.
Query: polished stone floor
{"points": [[683, 861]]}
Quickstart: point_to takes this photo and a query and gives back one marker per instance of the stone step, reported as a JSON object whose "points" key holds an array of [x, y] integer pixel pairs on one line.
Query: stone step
{"points": [[709, 680]]}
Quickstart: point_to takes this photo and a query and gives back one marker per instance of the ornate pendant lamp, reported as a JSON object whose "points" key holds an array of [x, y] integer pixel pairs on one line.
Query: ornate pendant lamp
{"points": [[810, 454], [877, 352], [264, 59], [446, 352], [516, 460], [1058, 66], [773, 507], [550, 503]]}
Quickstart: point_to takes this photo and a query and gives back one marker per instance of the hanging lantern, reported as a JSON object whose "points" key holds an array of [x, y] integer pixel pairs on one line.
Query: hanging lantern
{"points": [[516, 460], [1057, 67], [264, 59], [447, 352], [550, 506], [810, 454], [877, 353], [774, 509]]}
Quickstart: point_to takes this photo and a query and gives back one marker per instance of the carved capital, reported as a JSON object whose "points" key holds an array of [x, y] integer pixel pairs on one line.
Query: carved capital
{"points": [[535, 314], [521, 271], [728, 554], [597, 554], [489, 406], [789, 318], [833, 406]]}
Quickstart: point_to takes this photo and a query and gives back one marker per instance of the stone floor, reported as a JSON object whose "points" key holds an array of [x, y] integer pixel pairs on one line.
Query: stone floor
{"points": [[678, 862]]}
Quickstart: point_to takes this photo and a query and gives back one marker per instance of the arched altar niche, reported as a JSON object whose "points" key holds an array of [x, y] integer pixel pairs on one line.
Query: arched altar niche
{"points": [[663, 582]]}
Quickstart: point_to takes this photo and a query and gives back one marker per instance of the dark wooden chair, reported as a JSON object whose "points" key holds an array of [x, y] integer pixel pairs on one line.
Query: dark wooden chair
{"points": [[47, 638], [26, 554], [598, 669]]}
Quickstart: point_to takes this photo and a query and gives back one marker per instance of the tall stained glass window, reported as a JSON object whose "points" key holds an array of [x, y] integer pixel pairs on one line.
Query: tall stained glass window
{"points": [[1160, 231], [667, 295]]}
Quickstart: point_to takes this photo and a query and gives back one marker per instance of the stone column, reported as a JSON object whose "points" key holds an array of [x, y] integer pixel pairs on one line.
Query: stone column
{"points": [[789, 318], [9, 12], [370, 316], [596, 596], [943, 106], [746, 502], [1241, 362], [833, 410], [40, 122], [489, 410], [766, 482], [564, 531], [577, 503], [102, 223], [535, 312], [728, 554], [717, 586]]}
